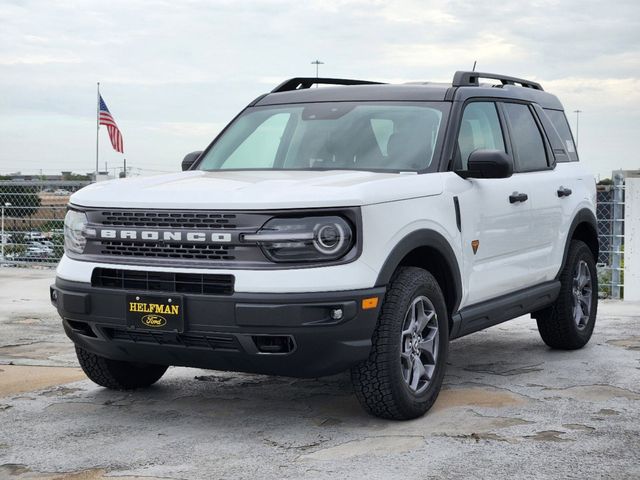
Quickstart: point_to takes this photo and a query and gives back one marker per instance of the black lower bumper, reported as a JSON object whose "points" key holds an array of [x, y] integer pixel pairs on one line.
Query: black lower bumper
{"points": [[279, 334]]}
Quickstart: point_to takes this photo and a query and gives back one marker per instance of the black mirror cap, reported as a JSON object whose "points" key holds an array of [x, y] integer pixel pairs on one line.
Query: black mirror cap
{"points": [[190, 159], [488, 164]]}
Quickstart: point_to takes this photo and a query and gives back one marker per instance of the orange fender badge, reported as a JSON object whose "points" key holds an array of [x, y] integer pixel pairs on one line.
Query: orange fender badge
{"points": [[475, 244]]}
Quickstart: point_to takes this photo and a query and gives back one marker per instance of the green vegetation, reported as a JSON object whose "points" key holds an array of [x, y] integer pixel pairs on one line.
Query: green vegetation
{"points": [[24, 199]]}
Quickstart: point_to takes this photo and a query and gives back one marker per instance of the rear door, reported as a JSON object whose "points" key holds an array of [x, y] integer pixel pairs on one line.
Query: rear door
{"points": [[546, 186], [495, 229], [572, 183]]}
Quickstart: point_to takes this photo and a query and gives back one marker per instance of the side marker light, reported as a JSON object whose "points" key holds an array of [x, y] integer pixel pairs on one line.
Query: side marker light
{"points": [[369, 303]]}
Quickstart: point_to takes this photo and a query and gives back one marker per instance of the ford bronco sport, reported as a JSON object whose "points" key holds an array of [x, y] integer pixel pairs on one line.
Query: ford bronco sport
{"points": [[356, 226]]}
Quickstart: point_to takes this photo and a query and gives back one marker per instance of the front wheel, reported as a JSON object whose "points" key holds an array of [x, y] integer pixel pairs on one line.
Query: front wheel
{"points": [[118, 375], [402, 377], [569, 322]]}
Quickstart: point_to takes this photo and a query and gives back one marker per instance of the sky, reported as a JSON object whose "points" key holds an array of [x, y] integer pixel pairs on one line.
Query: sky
{"points": [[174, 73]]}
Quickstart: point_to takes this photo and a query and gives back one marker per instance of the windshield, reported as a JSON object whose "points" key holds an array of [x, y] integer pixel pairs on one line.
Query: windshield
{"points": [[328, 136]]}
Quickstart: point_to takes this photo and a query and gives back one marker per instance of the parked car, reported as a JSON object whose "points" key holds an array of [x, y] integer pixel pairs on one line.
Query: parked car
{"points": [[357, 227], [34, 236]]}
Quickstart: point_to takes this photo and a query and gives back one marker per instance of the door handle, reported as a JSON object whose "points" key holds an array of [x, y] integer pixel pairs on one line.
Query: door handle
{"points": [[564, 192], [518, 197]]}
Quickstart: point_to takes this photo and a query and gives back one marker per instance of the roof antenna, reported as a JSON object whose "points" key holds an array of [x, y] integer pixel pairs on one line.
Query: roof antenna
{"points": [[474, 65]]}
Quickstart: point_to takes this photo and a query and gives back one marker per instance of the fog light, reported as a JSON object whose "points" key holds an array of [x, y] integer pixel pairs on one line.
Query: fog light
{"points": [[337, 314]]}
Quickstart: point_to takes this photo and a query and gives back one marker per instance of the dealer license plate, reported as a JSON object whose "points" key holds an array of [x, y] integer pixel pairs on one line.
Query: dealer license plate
{"points": [[155, 312]]}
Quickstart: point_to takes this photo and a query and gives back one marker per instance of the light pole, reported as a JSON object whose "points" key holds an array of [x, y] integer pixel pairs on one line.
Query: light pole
{"points": [[577, 112], [4, 240], [317, 63]]}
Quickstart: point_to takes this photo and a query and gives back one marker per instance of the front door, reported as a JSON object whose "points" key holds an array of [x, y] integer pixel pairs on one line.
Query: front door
{"points": [[496, 232]]}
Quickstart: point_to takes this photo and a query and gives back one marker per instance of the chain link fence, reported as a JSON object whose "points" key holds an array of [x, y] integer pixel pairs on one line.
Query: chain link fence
{"points": [[610, 213], [33, 217], [32, 220]]}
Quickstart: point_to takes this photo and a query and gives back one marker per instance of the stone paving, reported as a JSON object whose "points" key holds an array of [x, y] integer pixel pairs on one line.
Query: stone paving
{"points": [[510, 408]]}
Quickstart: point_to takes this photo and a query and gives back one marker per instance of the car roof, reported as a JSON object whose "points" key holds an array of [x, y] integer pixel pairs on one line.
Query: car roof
{"points": [[464, 87]]}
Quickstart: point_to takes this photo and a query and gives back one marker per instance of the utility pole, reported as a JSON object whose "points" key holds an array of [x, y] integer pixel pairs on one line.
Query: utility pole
{"points": [[317, 63], [577, 112], [124, 168]]}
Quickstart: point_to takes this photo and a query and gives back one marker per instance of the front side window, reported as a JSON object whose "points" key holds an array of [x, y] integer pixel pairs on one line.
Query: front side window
{"points": [[526, 138], [331, 136], [479, 130]]}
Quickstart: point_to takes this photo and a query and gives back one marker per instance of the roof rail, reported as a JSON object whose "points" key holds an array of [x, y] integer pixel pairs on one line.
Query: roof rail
{"points": [[300, 83], [470, 79]]}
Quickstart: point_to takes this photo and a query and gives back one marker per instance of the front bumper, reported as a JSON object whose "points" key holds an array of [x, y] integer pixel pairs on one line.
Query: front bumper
{"points": [[289, 334]]}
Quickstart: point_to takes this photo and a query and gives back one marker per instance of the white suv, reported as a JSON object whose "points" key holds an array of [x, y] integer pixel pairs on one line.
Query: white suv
{"points": [[359, 226]]}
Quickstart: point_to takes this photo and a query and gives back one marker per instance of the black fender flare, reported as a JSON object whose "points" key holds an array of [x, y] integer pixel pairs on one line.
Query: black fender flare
{"points": [[418, 239], [583, 216]]}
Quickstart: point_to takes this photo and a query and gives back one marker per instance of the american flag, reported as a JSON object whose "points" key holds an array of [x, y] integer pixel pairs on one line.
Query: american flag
{"points": [[114, 132]]}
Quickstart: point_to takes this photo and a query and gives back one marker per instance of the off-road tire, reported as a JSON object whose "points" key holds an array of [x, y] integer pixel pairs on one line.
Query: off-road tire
{"points": [[378, 381], [118, 375], [556, 323]]}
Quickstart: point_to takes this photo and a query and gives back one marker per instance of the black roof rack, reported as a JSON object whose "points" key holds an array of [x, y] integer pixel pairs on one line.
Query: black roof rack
{"points": [[300, 83], [470, 79]]}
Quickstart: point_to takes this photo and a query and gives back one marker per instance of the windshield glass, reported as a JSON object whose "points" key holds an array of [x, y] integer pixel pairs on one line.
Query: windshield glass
{"points": [[328, 136]]}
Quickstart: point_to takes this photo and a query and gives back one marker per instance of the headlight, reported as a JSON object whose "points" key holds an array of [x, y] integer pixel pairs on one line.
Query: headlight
{"points": [[304, 239], [74, 231]]}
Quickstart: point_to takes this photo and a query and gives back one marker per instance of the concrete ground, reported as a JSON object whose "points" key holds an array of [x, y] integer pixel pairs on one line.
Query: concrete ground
{"points": [[510, 408]]}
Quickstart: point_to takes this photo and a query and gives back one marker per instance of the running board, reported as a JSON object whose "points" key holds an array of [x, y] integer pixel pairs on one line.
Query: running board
{"points": [[492, 312]]}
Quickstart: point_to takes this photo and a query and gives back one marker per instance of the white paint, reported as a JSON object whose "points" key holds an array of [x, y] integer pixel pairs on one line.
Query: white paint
{"points": [[520, 244], [257, 190], [632, 240]]}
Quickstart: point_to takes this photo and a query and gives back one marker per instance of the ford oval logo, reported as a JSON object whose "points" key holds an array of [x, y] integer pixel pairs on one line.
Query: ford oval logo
{"points": [[153, 320]]}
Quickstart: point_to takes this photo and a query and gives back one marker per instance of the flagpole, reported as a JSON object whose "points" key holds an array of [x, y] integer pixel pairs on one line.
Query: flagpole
{"points": [[97, 129]]}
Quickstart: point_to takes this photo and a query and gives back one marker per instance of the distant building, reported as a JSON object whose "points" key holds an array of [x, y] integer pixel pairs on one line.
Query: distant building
{"points": [[102, 176], [62, 177], [630, 173]]}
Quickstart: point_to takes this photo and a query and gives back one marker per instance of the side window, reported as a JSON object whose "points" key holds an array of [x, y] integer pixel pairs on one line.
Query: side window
{"points": [[260, 147], [561, 125], [526, 138], [479, 129]]}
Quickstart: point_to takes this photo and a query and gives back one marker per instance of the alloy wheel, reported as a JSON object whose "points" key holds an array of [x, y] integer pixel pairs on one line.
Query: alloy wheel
{"points": [[419, 344], [582, 294]]}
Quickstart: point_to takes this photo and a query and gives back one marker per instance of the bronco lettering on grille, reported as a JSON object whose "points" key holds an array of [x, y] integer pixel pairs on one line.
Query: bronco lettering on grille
{"points": [[166, 236]]}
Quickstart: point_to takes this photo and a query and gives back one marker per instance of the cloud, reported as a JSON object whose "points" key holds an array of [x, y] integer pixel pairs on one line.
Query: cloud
{"points": [[487, 46], [172, 72]]}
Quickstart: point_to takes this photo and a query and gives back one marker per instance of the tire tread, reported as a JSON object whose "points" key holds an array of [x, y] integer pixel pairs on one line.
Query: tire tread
{"points": [[117, 375], [555, 323], [374, 381]]}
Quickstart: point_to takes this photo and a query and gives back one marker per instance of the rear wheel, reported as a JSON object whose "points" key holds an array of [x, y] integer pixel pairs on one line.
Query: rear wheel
{"points": [[402, 377], [116, 374], [569, 322]]}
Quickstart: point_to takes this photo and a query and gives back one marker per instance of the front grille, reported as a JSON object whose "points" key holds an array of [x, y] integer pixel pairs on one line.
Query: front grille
{"points": [[215, 341], [159, 219], [187, 251], [184, 251], [198, 283]]}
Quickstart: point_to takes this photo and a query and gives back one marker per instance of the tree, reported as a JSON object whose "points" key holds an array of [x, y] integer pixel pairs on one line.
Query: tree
{"points": [[24, 199], [605, 181]]}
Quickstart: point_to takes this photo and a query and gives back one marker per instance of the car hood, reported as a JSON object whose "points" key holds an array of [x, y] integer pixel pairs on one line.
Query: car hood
{"points": [[257, 190]]}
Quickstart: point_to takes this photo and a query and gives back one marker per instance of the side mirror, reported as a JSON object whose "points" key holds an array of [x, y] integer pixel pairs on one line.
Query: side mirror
{"points": [[190, 159], [488, 164]]}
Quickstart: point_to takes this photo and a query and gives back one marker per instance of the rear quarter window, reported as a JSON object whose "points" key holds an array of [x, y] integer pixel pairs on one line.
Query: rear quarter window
{"points": [[559, 121]]}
